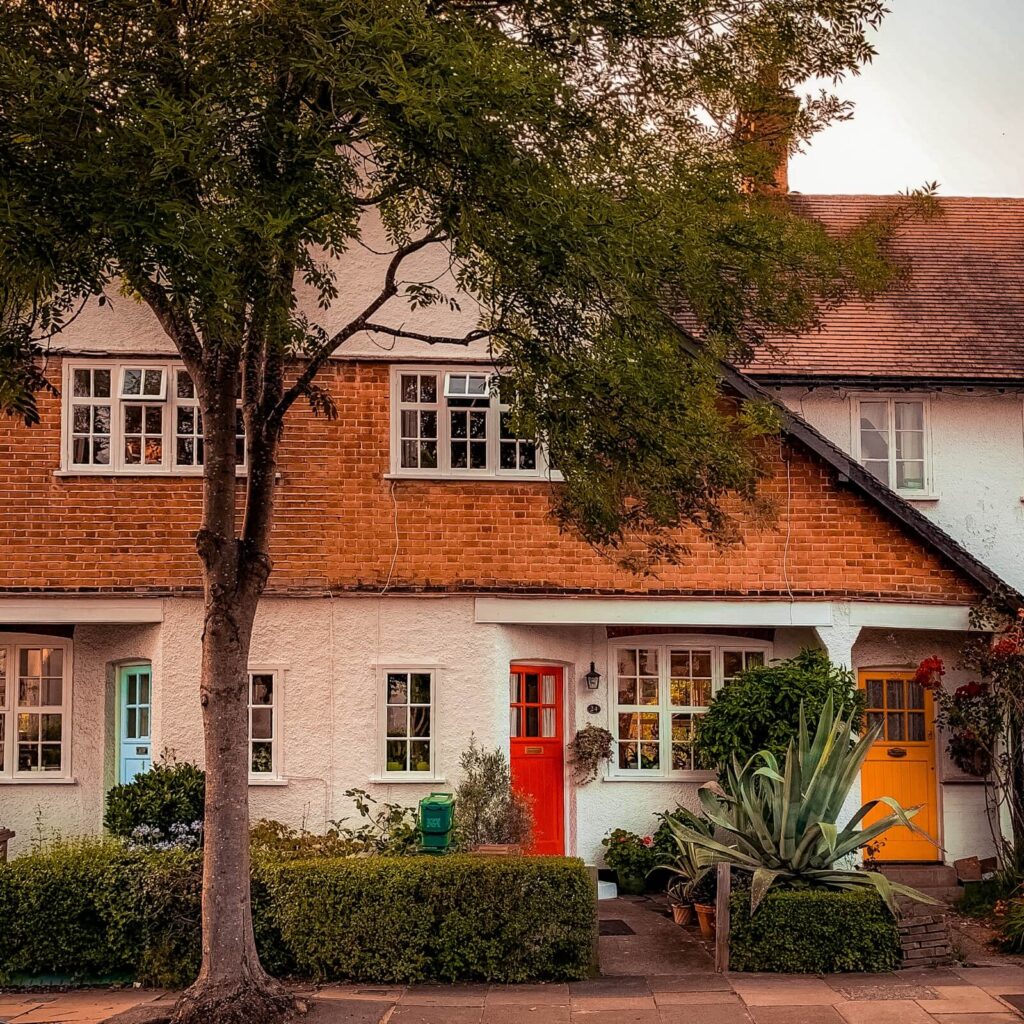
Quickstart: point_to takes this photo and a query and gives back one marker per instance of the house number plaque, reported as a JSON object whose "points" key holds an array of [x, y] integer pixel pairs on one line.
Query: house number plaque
{"points": [[593, 709]]}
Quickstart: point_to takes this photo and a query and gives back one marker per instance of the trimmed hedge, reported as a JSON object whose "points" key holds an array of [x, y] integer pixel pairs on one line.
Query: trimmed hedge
{"points": [[812, 931], [97, 910]]}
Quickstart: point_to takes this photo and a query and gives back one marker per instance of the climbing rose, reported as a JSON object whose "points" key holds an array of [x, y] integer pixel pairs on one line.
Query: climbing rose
{"points": [[929, 673]]}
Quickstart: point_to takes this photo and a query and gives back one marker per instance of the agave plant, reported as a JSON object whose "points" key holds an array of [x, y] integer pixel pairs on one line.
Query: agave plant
{"points": [[685, 866], [781, 825]]}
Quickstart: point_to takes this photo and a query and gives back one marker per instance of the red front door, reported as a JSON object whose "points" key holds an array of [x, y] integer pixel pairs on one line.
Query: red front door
{"points": [[537, 758]]}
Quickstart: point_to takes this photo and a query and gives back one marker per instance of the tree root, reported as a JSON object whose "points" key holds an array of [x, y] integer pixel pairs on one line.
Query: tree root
{"points": [[262, 1001]]}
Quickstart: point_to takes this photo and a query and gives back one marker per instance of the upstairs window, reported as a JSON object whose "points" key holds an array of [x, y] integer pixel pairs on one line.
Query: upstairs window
{"points": [[135, 418], [451, 422], [892, 442]]}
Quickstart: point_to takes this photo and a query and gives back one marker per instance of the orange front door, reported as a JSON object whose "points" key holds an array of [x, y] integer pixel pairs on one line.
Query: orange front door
{"points": [[536, 751], [901, 764]]}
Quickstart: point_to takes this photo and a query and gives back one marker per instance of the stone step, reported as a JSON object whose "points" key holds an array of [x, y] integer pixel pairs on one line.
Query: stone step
{"points": [[921, 876]]}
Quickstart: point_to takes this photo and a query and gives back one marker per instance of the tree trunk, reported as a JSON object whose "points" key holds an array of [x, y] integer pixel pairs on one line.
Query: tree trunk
{"points": [[232, 987]]}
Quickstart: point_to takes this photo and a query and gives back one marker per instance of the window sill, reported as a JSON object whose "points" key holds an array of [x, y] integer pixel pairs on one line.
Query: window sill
{"points": [[130, 475], [917, 496], [29, 781], [390, 780], [687, 778], [271, 780], [480, 478]]}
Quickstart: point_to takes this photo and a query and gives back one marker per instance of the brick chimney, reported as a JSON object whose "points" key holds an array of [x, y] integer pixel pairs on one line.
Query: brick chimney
{"points": [[764, 134]]}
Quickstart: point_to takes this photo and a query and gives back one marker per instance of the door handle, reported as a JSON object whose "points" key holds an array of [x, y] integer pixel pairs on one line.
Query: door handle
{"points": [[896, 752]]}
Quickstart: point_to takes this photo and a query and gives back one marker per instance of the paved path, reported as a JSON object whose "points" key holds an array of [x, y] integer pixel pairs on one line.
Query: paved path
{"points": [[653, 973]]}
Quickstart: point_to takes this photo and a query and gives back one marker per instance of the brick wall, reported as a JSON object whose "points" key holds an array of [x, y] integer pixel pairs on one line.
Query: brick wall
{"points": [[335, 525]]}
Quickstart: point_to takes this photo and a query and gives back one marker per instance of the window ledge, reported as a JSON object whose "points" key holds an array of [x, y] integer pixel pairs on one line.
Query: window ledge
{"points": [[272, 780], [480, 478], [917, 496], [390, 780], [129, 475], [26, 781], [687, 778]]}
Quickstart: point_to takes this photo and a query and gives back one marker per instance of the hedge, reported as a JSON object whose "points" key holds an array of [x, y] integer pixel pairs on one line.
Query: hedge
{"points": [[99, 911], [812, 931]]}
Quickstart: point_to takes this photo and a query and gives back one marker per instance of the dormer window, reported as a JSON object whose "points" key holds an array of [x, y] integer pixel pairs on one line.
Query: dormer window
{"points": [[892, 442]]}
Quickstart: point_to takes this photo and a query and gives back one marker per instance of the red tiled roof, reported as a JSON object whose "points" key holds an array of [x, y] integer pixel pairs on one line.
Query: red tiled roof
{"points": [[960, 315]]}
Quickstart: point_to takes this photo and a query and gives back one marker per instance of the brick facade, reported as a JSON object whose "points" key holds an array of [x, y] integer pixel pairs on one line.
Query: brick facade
{"points": [[335, 526]]}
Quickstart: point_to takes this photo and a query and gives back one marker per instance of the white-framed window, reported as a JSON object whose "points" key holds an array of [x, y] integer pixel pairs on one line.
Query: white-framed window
{"points": [[35, 708], [660, 688], [451, 422], [264, 724], [891, 441], [406, 722], [134, 418]]}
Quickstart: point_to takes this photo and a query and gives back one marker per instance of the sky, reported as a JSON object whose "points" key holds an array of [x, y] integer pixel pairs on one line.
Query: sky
{"points": [[942, 101]]}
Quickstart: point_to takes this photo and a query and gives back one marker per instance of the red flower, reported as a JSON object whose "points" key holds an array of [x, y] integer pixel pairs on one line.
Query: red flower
{"points": [[929, 673], [648, 841]]}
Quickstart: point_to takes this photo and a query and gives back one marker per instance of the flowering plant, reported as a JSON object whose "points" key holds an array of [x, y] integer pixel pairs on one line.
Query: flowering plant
{"points": [[630, 855]]}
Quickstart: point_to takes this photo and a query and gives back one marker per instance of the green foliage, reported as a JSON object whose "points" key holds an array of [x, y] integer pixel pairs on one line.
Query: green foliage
{"points": [[508, 919], [683, 865], [486, 808], [782, 827], [1011, 928], [580, 162], [169, 794], [274, 841], [760, 709], [631, 856], [587, 749], [813, 931], [94, 910], [386, 828]]}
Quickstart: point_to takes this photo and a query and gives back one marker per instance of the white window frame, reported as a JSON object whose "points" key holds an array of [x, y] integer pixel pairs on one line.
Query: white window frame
{"points": [[276, 774], [927, 493], [381, 773], [168, 401], [13, 643], [718, 645], [494, 407]]}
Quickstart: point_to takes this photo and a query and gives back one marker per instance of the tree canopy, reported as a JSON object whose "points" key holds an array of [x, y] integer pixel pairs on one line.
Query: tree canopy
{"points": [[585, 165]]}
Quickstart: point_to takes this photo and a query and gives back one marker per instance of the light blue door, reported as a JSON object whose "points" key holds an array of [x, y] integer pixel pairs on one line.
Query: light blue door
{"points": [[136, 689]]}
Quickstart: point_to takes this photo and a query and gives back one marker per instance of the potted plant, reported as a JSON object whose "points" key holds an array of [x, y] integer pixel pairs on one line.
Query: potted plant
{"points": [[683, 863], [680, 902], [631, 857], [703, 892]]}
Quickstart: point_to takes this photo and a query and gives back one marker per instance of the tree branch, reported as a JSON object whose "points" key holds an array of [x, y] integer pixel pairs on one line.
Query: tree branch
{"points": [[172, 316], [388, 291], [430, 339]]}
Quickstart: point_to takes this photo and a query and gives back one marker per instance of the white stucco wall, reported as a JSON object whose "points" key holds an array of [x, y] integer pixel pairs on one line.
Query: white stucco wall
{"points": [[977, 447], [328, 652]]}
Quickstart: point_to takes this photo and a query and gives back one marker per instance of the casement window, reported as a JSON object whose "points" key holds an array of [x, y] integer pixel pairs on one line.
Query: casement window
{"points": [[660, 689], [134, 418], [407, 723], [452, 422], [264, 725], [892, 442], [35, 701]]}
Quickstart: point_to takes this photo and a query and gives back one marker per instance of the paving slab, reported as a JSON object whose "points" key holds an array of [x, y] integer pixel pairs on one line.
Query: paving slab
{"points": [[444, 995], [994, 980], [894, 1011], [695, 998], [509, 1013], [795, 1015], [784, 990], [962, 999], [434, 1014], [624, 1015], [881, 986], [554, 994], [977, 1018], [688, 983], [714, 1013]]}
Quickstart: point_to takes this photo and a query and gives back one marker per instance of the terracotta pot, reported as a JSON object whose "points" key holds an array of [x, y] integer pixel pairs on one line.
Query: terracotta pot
{"points": [[682, 914], [706, 917]]}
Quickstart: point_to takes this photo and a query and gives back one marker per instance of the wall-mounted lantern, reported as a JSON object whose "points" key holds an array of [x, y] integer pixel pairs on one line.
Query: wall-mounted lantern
{"points": [[592, 678]]}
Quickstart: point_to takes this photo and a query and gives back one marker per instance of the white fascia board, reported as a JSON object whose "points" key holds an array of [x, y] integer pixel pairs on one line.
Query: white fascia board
{"points": [[80, 610], [586, 611], [909, 616]]}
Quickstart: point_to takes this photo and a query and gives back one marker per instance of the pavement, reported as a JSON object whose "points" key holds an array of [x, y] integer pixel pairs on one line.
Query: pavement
{"points": [[652, 972]]}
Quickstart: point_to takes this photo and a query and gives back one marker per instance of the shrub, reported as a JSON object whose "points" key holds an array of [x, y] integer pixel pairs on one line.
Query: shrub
{"points": [[95, 910], [486, 808], [813, 931], [760, 709], [386, 828], [452, 918], [1011, 928], [170, 794]]}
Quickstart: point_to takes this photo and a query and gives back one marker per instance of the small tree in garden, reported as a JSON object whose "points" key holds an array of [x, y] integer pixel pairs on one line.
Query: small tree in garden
{"points": [[573, 164], [487, 809], [983, 720], [760, 709]]}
